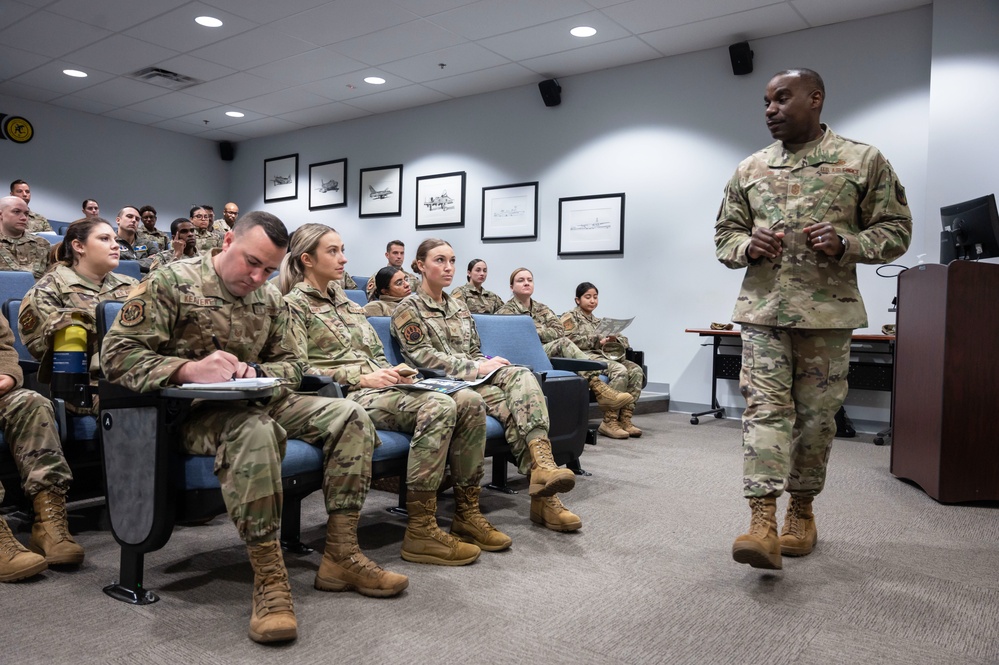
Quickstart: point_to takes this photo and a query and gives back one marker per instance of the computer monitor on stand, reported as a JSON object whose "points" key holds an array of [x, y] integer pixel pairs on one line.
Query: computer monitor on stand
{"points": [[970, 230]]}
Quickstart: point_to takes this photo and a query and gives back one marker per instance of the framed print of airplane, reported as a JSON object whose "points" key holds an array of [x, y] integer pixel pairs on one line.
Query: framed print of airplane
{"points": [[328, 184], [440, 200], [281, 178], [381, 192], [591, 225]]}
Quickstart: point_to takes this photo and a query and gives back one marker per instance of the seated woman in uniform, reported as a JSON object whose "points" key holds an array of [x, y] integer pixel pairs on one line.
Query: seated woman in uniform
{"points": [[391, 286], [68, 295], [340, 343], [476, 298], [438, 332], [623, 375], [556, 344]]}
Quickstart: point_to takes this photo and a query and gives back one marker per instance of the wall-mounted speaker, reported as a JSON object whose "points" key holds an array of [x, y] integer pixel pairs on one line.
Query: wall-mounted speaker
{"points": [[551, 92], [226, 151], [742, 58]]}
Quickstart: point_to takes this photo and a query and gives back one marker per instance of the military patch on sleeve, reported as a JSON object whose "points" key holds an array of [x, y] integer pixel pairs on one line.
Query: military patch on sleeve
{"points": [[133, 313], [900, 193], [568, 323], [27, 320], [412, 333]]}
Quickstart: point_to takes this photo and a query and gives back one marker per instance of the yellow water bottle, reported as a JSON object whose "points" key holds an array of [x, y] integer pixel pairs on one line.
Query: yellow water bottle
{"points": [[70, 378]]}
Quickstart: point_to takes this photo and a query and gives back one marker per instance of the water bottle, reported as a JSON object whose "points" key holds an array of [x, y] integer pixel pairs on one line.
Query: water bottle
{"points": [[70, 378]]}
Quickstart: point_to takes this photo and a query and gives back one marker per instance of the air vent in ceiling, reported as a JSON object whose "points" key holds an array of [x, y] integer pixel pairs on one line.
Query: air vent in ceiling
{"points": [[164, 78]]}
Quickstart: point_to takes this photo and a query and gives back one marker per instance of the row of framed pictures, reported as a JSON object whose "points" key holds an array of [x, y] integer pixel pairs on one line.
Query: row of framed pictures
{"points": [[586, 224]]}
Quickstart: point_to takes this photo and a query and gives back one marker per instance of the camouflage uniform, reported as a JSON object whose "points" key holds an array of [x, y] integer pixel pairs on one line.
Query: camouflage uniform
{"points": [[37, 223], [29, 429], [220, 226], [550, 331], [340, 343], [146, 237], [207, 239], [347, 282], [443, 336], [622, 375], [163, 258], [138, 252], [799, 309], [478, 300], [49, 306], [369, 290], [383, 306], [170, 320], [29, 253]]}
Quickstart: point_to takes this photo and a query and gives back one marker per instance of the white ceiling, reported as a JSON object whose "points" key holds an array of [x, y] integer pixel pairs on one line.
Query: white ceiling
{"points": [[289, 64]]}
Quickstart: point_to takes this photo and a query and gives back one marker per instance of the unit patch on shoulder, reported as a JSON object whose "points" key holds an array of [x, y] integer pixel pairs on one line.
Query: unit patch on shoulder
{"points": [[133, 313], [28, 321], [900, 193], [412, 333], [568, 323]]}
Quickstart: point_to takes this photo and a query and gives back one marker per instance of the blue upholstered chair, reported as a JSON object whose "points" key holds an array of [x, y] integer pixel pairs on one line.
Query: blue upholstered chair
{"points": [[357, 295], [130, 268]]}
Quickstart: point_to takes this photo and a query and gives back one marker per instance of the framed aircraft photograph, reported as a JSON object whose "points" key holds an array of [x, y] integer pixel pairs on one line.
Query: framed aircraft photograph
{"points": [[440, 200], [380, 192], [281, 178], [328, 184], [510, 212], [591, 225]]}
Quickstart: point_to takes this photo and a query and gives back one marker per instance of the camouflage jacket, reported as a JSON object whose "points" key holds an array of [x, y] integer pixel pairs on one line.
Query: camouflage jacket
{"points": [[547, 324], [347, 282], [49, 306], [37, 223], [171, 317], [384, 306], [160, 259], [140, 251], [438, 335], [369, 290], [29, 253], [208, 239], [580, 328], [8, 356], [848, 184], [157, 237], [478, 301], [337, 339]]}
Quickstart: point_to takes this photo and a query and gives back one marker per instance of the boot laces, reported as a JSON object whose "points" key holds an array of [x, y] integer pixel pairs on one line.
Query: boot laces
{"points": [[359, 563], [759, 521], [54, 514], [9, 545], [273, 592], [794, 524], [545, 459], [469, 510]]}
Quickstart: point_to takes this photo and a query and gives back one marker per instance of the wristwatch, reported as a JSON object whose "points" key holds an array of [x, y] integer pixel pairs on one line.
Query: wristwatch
{"points": [[258, 369]]}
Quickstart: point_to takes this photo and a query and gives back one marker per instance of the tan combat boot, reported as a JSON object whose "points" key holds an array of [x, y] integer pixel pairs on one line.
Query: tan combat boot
{"points": [[424, 541], [610, 425], [624, 418], [607, 396], [273, 616], [547, 478], [17, 561], [549, 512], [50, 535], [471, 525], [345, 568], [760, 548], [798, 536]]}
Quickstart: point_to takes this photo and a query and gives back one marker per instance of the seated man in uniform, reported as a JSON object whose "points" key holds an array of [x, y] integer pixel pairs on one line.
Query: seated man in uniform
{"points": [[36, 222], [183, 245], [20, 250], [213, 318], [132, 247]]}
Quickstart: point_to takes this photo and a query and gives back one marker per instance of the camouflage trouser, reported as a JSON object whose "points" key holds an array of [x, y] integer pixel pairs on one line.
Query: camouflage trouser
{"points": [[29, 429], [623, 376], [563, 347], [514, 398], [434, 420], [794, 381], [249, 441]]}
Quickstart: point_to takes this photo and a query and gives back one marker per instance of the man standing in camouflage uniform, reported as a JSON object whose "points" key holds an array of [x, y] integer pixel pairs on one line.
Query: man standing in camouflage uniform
{"points": [[20, 250], [395, 252], [36, 222], [799, 215], [29, 430], [168, 333]]}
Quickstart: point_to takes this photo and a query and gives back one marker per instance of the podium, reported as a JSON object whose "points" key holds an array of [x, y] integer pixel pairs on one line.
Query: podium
{"points": [[945, 411]]}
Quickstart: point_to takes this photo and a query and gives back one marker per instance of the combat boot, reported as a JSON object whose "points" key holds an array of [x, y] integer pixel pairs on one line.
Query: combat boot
{"points": [[799, 535], [471, 525], [608, 397], [273, 616], [760, 548], [50, 535], [424, 541], [17, 561], [610, 426], [547, 478], [549, 512], [345, 568], [625, 419]]}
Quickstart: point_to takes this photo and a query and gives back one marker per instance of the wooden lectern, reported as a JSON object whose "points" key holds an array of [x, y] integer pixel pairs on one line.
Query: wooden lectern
{"points": [[945, 411]]}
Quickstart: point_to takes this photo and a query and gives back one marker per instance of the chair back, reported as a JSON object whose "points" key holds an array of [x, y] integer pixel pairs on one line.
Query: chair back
{"points": [[53, 238], [59, 228], [513, 337], [11, 308], [382, 326], [130, 268], [107, 312], [357, 295], [14, 284], [362, 282]]}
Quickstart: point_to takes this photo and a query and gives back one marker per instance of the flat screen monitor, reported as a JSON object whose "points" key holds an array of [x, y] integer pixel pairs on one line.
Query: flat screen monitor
{"points": [[970, 230]]}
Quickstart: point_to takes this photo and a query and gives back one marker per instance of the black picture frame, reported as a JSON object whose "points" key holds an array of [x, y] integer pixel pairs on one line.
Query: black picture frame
{"points": [[510, 212], [281, 178], [328, 184], [591, 225], [380, 192], [440, 200]]}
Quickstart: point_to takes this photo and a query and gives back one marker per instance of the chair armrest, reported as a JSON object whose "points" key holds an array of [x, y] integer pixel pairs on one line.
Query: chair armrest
{"points": [[313, 383], [637, 357], [575, 365]]}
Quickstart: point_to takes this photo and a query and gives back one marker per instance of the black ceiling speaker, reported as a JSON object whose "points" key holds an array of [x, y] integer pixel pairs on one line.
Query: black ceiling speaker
{"points": [[226, 151], [742, 58], [551, 92]]}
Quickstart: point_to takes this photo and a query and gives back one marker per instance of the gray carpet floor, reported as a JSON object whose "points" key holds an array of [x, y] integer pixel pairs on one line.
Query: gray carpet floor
{"points": [[895, 578]]}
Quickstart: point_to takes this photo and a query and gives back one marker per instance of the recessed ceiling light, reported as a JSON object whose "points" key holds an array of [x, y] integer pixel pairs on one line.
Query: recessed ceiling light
{"points": [[75, 73], [583, 31], [374, 80], [234, 114], [208, 21]]}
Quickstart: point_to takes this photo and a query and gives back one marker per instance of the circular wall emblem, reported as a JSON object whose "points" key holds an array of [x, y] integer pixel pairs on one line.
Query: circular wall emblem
{"points": [[18, 129]]}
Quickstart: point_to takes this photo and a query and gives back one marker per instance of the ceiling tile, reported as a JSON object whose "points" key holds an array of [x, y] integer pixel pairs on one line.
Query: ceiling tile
{"points": [[220, 135], [431, 7], [754, 24], [554, 37], [234, 88], [29, 92], [486, 80], [400, 98], [397, 42], [121, 92], [116, 15], [217, 119], [195, 68], [174, 125], [119, 54], [50, 34], [314, 65], [494, 17], [459, 59], [345, 19], [134, 116], [81, 104], [173, 104], [50, 77], [177, 30], [14, 62], [327, 113], [592, 58], [15, 11], [265, 11], [266, 127], [820, 12], [642, 16], [352, 86], [283, 101], [253, 48]]}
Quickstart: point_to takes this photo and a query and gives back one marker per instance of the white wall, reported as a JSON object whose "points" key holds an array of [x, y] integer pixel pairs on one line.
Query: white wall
{"points": [[668, 132], [76, 155]]}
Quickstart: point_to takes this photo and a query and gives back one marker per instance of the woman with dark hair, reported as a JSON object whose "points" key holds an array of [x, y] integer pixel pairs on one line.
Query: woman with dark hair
{"points": [[391, 286], [340, 343], [438, 332], [91, 208], [477, 299], [623, 375], [556, 344], [68, 294]]}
